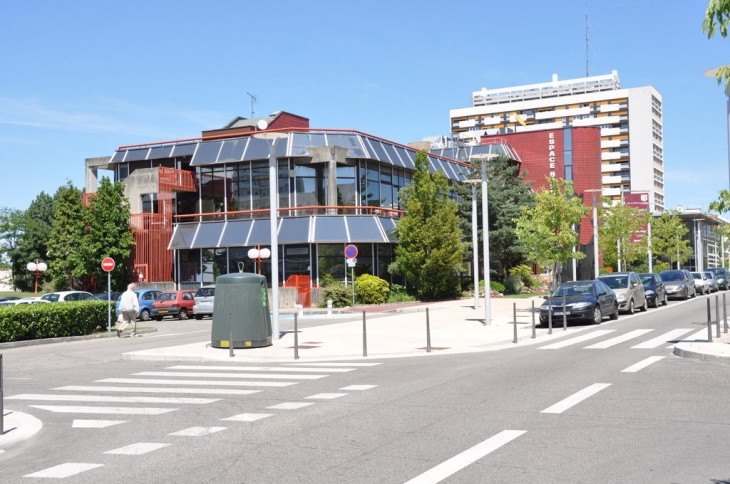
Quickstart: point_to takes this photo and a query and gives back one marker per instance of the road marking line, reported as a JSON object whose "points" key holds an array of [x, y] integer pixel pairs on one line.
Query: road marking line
{"points": [[576, 398], [327, 396], [200, 382], [95, 424], [64, 470], [332, 364], [114, 399], [228, 375], [358, 387], [197, 431], [642, 364], [660, 340], [105, 410], [578, 339], [137, 449], [469, 456], [257, 368], [248, 417], [290, 405], [200, 391], [619, 339]]}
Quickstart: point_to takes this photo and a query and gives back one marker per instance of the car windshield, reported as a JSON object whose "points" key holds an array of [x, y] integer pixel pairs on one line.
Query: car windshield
{"points": [[574, 289], [205, 292], [672, 276], [647, 279], [616, 282]]}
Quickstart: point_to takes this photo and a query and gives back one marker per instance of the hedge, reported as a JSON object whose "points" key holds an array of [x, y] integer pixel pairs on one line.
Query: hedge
{"points": [[52, 320]]}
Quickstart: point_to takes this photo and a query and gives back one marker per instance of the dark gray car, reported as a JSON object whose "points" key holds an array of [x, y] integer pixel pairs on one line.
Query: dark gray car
{"points": [[656, 292]]}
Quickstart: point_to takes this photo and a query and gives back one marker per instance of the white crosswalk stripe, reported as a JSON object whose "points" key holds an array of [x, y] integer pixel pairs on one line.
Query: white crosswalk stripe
{"points": [[262, 368], [663, 339], [619, 339], [142, 381], [577, 339], [105, 410], [115, 399], [194, 391], [229, 375]]}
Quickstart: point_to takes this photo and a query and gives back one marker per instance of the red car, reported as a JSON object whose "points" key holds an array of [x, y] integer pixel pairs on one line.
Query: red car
{"points": [[173, 303]]}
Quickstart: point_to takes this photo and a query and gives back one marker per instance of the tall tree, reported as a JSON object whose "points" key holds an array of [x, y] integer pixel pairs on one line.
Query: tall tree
{"points": [[36, 225], [106, 233], [668, 239], [546, 229], [11, 233], [430, 249], [717, 17], [619, 224], [68, 230]]}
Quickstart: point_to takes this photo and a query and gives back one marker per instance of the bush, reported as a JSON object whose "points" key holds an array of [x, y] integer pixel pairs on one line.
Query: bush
{"points": [[398, 293], [53, 320], [371, 289], [340, 294], [495, 286], [326, 279], [513, 285], [524, 272]]}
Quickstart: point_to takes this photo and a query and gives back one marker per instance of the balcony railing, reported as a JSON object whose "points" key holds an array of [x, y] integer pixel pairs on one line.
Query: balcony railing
{"points": [[292, 212]]}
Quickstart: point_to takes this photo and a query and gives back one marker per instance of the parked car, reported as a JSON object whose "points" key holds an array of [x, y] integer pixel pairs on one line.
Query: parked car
{"points": [[711, 281], [628, 288], [204, 299], [722, 275], [584, 301], [9, 298], [656, 292], [104, 296], [679, 283], [18, 301], [173, 303], [146, 297], [701, 282], [66, 296]]}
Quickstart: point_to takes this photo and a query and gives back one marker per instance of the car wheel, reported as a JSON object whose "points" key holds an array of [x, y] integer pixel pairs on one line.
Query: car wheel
{"points": [[614, 314], [630, 310], [144, 315], [655, 302], [198, 317], [645, 306], [597, 315], [183, 314], [666, 300]]}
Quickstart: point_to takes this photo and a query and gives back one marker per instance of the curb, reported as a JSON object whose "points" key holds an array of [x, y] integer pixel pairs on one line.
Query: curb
{"points": [[65, 339]]}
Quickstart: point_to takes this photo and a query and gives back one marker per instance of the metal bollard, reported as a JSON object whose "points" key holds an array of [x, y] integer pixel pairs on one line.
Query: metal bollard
{"points": [[533, 320], [724, 312], [230, 334], [296, 338], [717, 314], [709, 322], [550, 315], [428, 333], [329, 308], [364, 336], [565, 315], [514, 318]]}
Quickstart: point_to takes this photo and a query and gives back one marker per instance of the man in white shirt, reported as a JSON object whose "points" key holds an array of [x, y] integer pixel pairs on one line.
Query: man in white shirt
{"points": [[129, 309]]}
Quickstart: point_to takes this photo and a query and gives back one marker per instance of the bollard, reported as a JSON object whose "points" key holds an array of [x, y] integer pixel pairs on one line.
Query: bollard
{"points": [[565, 315], [300, 310], [724, 312], [514, 316], [230, 335], [428, 333], [296, 338], [533, 320], [550, 315], [2, 410], [329, 308], [717, 314], [364, 336], [709, 323]]}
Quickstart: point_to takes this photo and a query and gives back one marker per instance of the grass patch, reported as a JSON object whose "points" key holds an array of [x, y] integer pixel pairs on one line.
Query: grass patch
{"points": [[16, 294]]}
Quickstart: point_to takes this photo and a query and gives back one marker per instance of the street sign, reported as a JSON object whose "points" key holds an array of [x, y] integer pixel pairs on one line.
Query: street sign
{"points": [[108, 264], [351, 251], [351, 262]]}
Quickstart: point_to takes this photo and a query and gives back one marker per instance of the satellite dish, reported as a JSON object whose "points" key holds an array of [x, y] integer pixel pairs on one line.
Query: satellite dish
{"points": [[262, 124]]}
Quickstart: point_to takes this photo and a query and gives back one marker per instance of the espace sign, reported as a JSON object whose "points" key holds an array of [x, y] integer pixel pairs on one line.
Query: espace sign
{"points": [[551, 153]]}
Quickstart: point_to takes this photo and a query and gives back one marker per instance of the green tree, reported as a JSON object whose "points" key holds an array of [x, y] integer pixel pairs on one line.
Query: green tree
{"points": [[11, 232], [66, 235], [430, 249], [106, 234], [507, 191], [618, 225], [717, 17], [668, 239], [546, 229], [35, 227]]}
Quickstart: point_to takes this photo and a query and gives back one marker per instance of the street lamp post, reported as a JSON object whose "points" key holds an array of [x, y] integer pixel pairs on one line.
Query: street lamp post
{"points": [[258, 255], [475, 240], [595, 231], [699, 262], [37, 269]]}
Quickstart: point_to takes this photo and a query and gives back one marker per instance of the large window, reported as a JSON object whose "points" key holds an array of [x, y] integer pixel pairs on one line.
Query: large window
{"points": [[346, 188]]}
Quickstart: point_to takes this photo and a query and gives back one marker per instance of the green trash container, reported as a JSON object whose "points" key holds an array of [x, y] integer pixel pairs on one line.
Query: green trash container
{"points": [[241, 306]]}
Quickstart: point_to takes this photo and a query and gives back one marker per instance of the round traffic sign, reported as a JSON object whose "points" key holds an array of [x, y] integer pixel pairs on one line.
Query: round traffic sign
{"points": [[108, 264], [351, 251]]}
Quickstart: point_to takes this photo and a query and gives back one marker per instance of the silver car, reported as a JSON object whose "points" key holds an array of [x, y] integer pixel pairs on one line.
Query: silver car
{"points": [[204, 299], [628, 288]]}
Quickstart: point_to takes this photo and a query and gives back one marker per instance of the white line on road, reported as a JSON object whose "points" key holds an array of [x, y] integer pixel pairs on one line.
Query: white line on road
{"points": [[642, 364], [619, 339], [578, 339], [197, 431], [64, 470], [107, 399], [137, 449], [105, 410], [200, 382], [469, 456], [228, 375], [327, 396], [290, 405], [95, 424], [358, 387], [198, 391], [257, 368], [663, 339], [576, 398], [333, 364], [248, 417]]}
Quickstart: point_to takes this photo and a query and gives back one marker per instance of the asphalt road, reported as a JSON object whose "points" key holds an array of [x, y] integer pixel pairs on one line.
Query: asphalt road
{"points": [[614, 407]]}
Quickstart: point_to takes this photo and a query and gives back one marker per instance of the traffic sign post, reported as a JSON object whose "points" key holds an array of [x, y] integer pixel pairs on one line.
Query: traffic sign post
{"points": [[108, 265], [351, 254]]}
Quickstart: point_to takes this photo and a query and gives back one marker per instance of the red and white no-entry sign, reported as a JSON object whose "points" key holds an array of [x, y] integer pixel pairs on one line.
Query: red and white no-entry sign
{"points": [[108, 264]]}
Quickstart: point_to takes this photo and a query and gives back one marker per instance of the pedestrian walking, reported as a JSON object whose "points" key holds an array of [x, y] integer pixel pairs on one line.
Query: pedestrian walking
{"points": [[129, 309]]}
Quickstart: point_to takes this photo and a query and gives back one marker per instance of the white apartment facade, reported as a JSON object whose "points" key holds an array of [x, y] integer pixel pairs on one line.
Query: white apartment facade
{"points": [[630, 120]]}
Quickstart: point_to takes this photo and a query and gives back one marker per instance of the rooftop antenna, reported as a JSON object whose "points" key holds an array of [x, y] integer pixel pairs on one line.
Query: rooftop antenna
{"points": [[253, 100], [587, 74]]}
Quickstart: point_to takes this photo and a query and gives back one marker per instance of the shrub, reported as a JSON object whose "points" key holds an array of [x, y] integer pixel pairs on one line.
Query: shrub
{"points": [[398, 293], [524, 272], [495, 286], [53, 320], [340, 294], [513, 285], [371, 289], [326, 279]]}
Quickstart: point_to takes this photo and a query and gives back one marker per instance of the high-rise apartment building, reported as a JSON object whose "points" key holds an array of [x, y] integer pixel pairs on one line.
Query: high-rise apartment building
{"points": [[630, 122]]}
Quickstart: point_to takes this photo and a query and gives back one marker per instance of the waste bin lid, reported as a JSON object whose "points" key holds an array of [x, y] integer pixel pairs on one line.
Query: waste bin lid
{"points": [[239, 278]]}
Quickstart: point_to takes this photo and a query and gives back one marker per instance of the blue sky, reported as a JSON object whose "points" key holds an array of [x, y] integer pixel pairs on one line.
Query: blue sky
{"points": [[80, 78]]}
